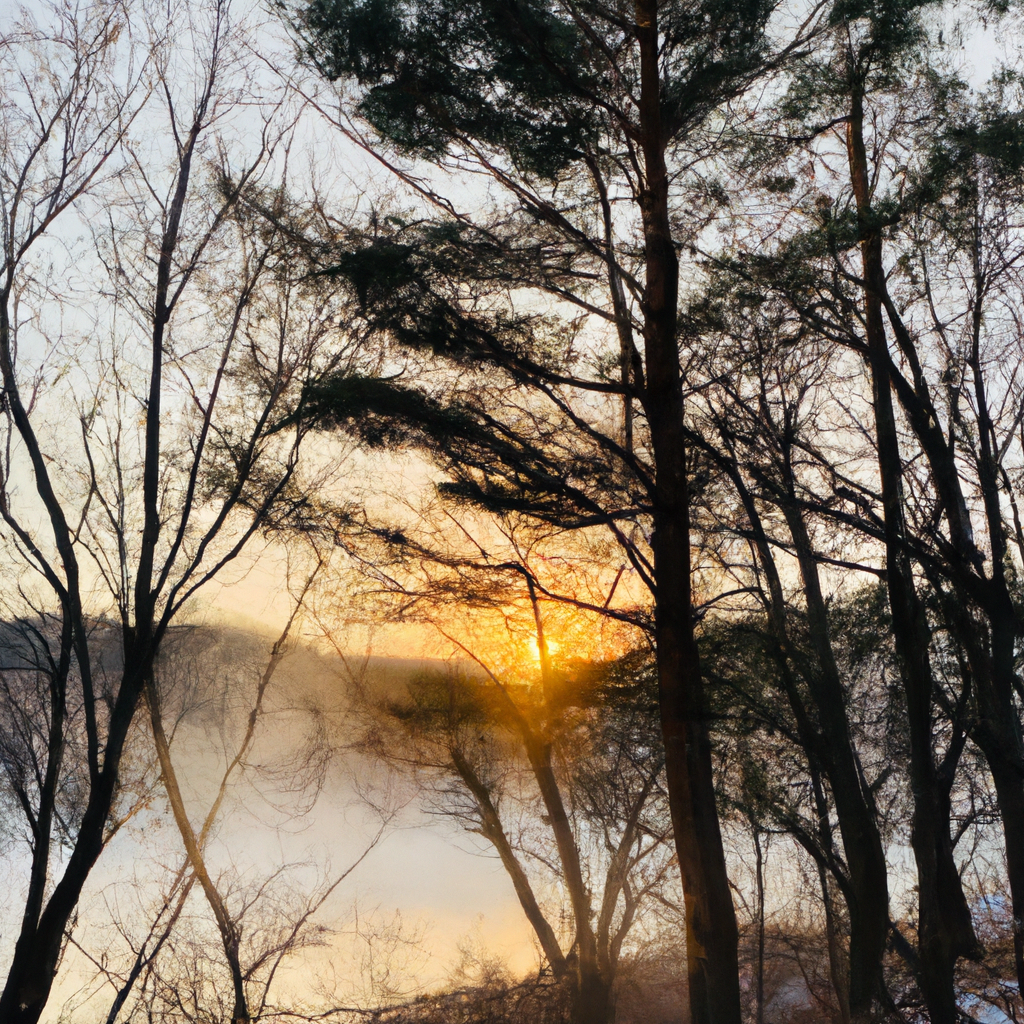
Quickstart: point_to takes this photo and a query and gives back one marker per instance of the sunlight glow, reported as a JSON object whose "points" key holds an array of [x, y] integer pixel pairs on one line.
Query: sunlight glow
{"points": [[534, 650]]}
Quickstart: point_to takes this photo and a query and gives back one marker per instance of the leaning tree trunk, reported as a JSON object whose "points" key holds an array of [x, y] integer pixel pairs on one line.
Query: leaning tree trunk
{"points": [[228, 928], [868, 899]]}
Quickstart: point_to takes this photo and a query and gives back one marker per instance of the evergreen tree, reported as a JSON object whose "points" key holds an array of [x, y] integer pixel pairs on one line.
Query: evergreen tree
{"points": [[588, 115], [883, 267]]}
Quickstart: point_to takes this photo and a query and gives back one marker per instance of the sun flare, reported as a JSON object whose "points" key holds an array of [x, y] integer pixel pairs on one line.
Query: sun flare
{"points": [[533, 649]]}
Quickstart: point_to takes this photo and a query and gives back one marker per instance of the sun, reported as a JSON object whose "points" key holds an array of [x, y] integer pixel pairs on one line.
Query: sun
{"points": [[533, 649]]}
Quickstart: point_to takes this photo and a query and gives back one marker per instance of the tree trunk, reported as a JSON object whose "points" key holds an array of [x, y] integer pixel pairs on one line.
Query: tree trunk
{"points": [[994, 691], [592, 995], [998, 733], [493, 831], [835, 953], [759, 878], [1006, 775], [712, 935], [944, 922], [230, 933], [830, 744], [869, 905], [37, 951]]}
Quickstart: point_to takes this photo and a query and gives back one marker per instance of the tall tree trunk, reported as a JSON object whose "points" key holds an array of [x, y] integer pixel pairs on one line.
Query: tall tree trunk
{"points": [[994, 690], [830, 745], [712, 934], [980, 611], [944, 922], [42, 826], [38, 948]]}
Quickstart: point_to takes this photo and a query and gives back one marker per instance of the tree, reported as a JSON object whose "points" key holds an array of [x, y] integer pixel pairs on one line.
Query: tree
{"points": [[758, 433], [559, 772], [171, 346], [876, 273], [259, 974], [585, 116], [212, 683]]}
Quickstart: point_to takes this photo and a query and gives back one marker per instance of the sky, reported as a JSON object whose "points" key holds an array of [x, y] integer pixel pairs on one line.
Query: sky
{"points": [[447, 893]]}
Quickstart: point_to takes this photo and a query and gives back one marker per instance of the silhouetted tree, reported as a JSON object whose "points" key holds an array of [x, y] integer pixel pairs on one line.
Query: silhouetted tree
{"points": [[139, 457], [582, 115]]}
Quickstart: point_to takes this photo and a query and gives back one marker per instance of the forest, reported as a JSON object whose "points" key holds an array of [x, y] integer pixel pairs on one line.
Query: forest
{"points": [[552, 465]]}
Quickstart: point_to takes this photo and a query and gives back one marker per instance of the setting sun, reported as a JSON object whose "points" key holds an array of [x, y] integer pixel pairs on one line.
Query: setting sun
{"points": [[533, 648]]}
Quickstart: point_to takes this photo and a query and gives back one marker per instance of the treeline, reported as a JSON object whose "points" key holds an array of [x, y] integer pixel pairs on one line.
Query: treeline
{"points": [[706, 318]]}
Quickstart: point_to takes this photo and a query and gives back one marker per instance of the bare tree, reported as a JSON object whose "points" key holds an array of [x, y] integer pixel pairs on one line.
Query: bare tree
{"points": [[561, 773], [264, 964], [142, 450], [896, 271]]}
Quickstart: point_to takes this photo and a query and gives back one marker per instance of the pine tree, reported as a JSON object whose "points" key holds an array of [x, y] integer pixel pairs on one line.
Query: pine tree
{"points": [[587, 115]]}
